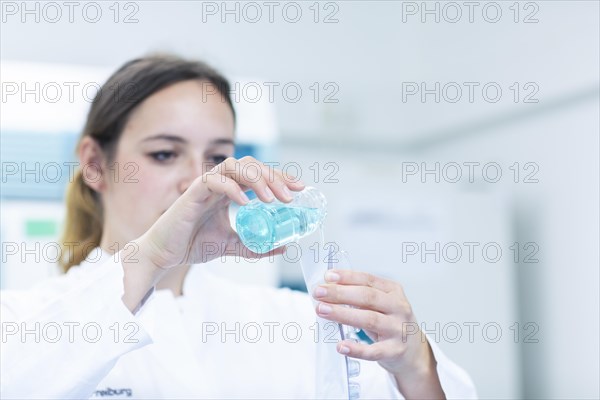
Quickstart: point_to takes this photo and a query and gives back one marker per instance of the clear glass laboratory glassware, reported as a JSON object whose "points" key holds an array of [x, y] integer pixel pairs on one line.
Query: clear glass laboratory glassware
{"points": [[340, 260], [263, 227], [331, 367]]}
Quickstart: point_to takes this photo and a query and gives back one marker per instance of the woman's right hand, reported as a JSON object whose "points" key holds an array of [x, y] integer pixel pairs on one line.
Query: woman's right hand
{"points": [[196, 228]]}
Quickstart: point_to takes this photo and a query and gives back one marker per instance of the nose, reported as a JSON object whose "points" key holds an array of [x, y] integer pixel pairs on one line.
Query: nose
{"points": [[193, 170]]}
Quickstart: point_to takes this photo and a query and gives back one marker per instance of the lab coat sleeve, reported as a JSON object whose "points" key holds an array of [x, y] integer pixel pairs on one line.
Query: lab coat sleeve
{"points": [[61, 339], [456, 382], [378, 383]]}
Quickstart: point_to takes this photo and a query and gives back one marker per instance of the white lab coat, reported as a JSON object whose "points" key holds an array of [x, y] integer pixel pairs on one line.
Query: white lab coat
{"points": [[219, 340]]}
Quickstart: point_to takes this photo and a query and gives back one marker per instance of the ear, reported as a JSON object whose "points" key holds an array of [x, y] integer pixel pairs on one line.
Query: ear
{"points": [[92, 163]]}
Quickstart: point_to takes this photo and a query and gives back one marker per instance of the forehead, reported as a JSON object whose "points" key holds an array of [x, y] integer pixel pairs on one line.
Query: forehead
{"points": [[191, 109]]}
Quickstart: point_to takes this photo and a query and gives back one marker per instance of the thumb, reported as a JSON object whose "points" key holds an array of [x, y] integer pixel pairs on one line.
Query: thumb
{"points": [[237, 248]]}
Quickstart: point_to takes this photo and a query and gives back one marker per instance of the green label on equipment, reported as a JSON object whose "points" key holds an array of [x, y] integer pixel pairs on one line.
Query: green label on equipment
{"points": [[40, 227]]}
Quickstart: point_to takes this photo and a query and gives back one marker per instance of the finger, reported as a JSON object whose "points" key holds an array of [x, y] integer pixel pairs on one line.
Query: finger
{"points": [[237, 248], [291, 181], [358, 278], [252, 173], [371, 352], [275, 252], [358, 296], [294, 184], [208, 184], [279, 183], [364, 319], [247, 176]]}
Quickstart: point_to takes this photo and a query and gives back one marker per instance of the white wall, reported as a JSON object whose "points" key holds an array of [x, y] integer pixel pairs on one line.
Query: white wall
{"points": [[560, 213], [368, 54]]}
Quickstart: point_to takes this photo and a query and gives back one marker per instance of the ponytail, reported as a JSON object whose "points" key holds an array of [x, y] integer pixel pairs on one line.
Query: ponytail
{"points": [[83, 223]]}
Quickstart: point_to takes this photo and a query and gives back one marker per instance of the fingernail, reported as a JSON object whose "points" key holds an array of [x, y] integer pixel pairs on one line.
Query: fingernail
{"points": [[320, 291], [344, 349], [287, 192], [331, 276], [244, 197], [269, 194], [324, 309]]}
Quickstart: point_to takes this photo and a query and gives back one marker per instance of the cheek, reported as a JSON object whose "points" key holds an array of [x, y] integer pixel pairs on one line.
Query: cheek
{"points": [[139, 183]]}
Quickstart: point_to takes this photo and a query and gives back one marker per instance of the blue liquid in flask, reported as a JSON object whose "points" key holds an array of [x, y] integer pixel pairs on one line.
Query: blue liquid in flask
{"points": [[263, 227]]}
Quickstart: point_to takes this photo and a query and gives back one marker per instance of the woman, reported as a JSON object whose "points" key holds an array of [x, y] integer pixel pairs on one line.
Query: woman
{"points": [[131, 318]]}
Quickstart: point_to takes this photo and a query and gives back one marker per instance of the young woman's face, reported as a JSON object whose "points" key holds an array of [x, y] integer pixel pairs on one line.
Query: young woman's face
{"points": [[174, 136]]}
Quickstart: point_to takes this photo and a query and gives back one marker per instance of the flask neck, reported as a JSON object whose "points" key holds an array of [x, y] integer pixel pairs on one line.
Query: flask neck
{"points": [[311, 197]]}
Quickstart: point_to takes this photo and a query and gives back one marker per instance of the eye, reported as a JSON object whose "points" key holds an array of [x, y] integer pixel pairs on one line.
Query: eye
{"points": [[164, 155], [217, 159]]}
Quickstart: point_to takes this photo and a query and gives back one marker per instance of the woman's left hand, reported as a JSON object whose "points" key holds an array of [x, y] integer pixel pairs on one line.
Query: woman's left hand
{"points": [[382, 310]]}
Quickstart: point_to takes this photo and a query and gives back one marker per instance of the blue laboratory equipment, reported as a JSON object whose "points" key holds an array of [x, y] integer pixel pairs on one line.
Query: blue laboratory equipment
{"points": [[263, 227]]}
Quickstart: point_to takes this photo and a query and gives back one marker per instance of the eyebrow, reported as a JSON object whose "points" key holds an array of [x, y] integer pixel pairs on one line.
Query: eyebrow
{"points": [[164, 136], [179, 139], [222, 141]]}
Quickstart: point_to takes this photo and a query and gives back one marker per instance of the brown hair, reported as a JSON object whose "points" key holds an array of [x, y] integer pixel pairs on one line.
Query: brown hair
{"points": [[129, 86]]}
